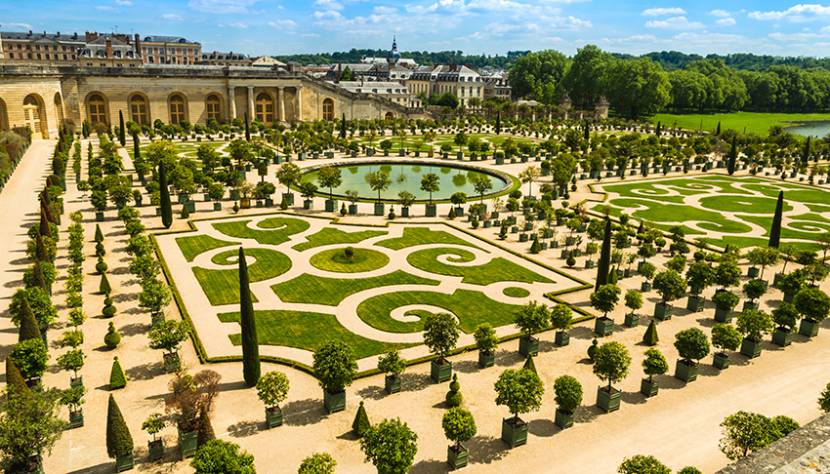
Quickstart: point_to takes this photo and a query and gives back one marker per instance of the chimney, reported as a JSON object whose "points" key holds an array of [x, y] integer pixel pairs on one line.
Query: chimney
{"points": [[109, 47], [138, 45]]}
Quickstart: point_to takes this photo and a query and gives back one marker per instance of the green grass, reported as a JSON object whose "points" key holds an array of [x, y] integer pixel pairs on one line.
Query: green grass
{"points": [[278, 229], [471, 307], [222, 286], [363, 260], [413, 236], [496, 270], [515, 292], [331, 236], [192, 246], [331, 291], [759, 123], [309, 331]]}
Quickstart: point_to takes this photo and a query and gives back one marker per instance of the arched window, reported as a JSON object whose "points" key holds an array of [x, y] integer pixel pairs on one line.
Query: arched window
{"points": [[264, 109], [328, 109], [58, 108], [97, 108], [177, 108], [213, 107], [139, 111], [389, 116]]}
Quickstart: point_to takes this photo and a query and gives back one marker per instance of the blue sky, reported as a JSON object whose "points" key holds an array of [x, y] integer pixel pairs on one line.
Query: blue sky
{"points": [[474, 26]]}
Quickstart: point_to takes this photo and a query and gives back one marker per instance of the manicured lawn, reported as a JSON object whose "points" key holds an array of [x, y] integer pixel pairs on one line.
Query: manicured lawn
{"points": [[330, 236], [471, 307], [331, 291], [759, 123], [276, 230], [307, 331], [497, 269], [515, 292], [193, 245], [222, 286], [362, 260], [413, 236]]}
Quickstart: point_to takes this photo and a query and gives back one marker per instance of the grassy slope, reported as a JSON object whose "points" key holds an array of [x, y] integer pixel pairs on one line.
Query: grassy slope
{"points": [[759, 123]]}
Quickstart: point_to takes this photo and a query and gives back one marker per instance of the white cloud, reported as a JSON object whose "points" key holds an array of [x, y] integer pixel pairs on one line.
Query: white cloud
{"points": [[285, 23], [729, 21], [17, 26], [663, 11], [238, 25], [720, 13], [798, 37], [124, 3], [675, 23], [221, 6], [172, 17], [800, 12]]}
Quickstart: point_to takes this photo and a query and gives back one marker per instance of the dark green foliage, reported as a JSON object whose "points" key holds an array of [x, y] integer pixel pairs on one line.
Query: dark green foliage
{"points": [[117, 377], [14, 379], [361, 421], [454, 397], [592, 350], [29, 327], [692, 344], [122, 132], [164, 197], [109, 308], [775, 230], [99, 236], [642, 464], [535, 247], [112, 338], [222, 457], [247, 129], [391, 446], [104, 286], [568, 393], [247, 321], [441, 334], [119, 441], [650, 338], [31, 357], [529, 364], [732, 158], [604, 265], [334, 366]]}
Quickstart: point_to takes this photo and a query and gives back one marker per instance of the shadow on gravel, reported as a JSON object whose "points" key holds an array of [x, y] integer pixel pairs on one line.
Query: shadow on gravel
{"points": [[303, 412], [486, 449], [244, 428]]}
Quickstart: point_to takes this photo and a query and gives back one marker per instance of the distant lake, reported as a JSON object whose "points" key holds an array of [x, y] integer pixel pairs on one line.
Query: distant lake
{"points": [[816, 129]]}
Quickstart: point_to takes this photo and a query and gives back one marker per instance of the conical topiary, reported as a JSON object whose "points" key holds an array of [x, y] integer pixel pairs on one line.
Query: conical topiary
{"points": [[104, 287], [205, 427], [775, 229], [613, 276], [650, 338], [454, 397], [100, 251], [529, 364], [119, 440], [101, 266], [40, 249], [109, 308], [164, 197], [535, 247], [112, 338], [14, 379], [117, 377], [29, 327], [604, 265], [99, 236], [361, 421]]}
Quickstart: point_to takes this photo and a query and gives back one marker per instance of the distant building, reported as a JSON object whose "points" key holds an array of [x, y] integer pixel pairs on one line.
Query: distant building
{"points": [[461, 81], [217, 58], [390, 90], [496, 86], [55, 49], [390, 68], [170, 50]]}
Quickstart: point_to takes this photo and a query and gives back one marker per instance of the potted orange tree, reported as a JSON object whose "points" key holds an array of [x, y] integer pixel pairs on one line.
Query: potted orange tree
{"points": [[532, 318], [521, 392], [392, 366], [335, 368], [272, 389], [753, 324], [726, 338], [568, 397], [611, 364], [486, 341], [440, 336], [692, 345], [653, 364], [459, 426]]}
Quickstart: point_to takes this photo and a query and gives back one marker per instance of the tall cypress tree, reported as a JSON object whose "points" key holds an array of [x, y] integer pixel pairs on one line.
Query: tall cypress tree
{"points": [[775, 230], [717, 130], [604, 265], [732, 159], [659, 130], [250, 345], [164, 200], [119, 440], [29, 327], [122, 131], [43, 227], [137, 159], [40, 249], [498, 123], [247, 128], [586, 131], [805, 153], [343, 126]]}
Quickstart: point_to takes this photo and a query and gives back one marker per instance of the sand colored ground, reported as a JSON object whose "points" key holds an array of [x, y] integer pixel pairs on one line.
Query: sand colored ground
{"points": [[680, 425]]}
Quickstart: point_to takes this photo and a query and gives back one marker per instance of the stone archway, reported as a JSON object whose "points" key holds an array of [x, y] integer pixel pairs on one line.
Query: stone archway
{"points": [[34, 115], [59, 108]]}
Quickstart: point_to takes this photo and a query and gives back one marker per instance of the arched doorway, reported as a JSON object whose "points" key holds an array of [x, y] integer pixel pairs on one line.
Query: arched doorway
{"points": [[389, 116], [34, 115], [59, 108], [328, 109], [97, 109], [178, 109], [4, 116], [264, 108], [213, 108], [139, 109]]}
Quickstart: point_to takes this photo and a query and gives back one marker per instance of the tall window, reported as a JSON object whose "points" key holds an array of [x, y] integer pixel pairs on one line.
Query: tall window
{"points": [[177, 109], [328, 109], [97, 109], [138, 110], [264, 109], [213, 108]]}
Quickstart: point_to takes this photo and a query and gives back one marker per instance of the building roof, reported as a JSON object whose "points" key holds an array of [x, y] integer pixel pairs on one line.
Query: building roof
{"points": [[23, 35], [219, 55], [167, 39]]}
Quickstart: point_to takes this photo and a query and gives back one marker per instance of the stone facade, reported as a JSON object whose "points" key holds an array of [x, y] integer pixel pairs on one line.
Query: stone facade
{"points": [[44, 98]]}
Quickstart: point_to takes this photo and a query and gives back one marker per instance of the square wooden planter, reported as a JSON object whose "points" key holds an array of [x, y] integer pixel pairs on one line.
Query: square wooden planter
{"points": [[273, 417], [782, 337], [155, 449], [721, 360], [685, 371], [76, 419], [392, 384], [603, 326], [662, 311], [188, 442], [528, 345], [649, 388], [486, 359], [124, 463], [562, 338], [751, 349], [563, 419], [808, 328], [695, 303], [513, 432], [457, 459], [334, 402], [440, 371], [608, 400], [723, 315], [632, 320]]}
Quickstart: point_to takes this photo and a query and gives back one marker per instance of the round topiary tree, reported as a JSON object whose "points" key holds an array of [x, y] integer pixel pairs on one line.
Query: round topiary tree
{"points": [[754, 324], [561, 318], [692, 345], [633, 301], [611, 364], [726, 338], [754, 289], [486, 342], [814, 306], [318, 463], [604, 299], [392, 366], [440, 336], [217, 456], [31, 357], [335, 368], [390, 446], [459, 427], [530, 319], [568, 397], [520, 391], [642, 464], [671, 286], [654, 363], [786, 318], [272, 389]]}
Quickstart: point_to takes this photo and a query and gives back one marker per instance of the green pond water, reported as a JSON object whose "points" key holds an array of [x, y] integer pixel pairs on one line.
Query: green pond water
{"points": [[815, 129], [407, 177]]}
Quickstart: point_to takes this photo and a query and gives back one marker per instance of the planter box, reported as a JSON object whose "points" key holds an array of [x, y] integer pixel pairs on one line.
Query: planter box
{"points": [[99, 216], [392, 384], [603, 326], [721, 360], [457, 459], [440, 372], [750, 305], [76, 381], [269, 202], [808, 328], [404, 212], [172, 362], [528, 345], [632, 320], [562, 338], [513, 432], [723, 315], [308, 204], [188, 443], [486, 359], [379, 208], [563, 419], [753, 272], [124, 463], [334, 402], [352, 209], [751, 349], [288, 198], [608, 401], [695, 303], [645, 287], [685, 371], [431, 210], [76, 419], [662, 311], [782, 337], [155, 450], [273, 417], [649, 388], [217, 206]]}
